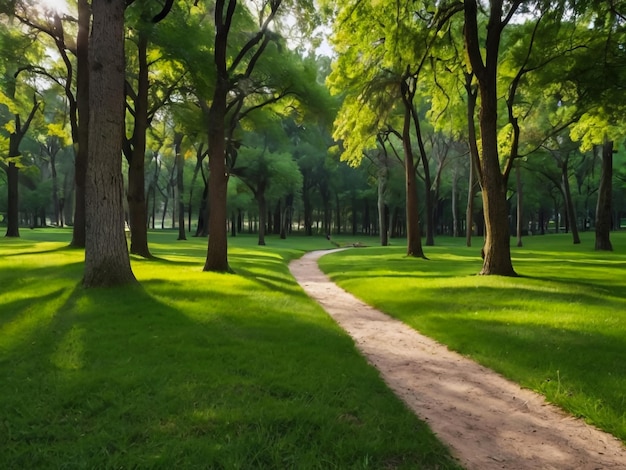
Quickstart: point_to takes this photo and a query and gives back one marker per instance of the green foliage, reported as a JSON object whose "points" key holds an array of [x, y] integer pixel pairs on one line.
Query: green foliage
{"points": [[559, 329], [193, 370]]}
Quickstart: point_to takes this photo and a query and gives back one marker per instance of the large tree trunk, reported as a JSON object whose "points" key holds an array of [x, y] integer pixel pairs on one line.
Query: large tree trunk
{"points": [[605, 194], [217, 252], [82, 102], [497, 248], [106, 255]]}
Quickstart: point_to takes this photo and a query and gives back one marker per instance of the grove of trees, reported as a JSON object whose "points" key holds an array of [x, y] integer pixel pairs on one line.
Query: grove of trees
{"points": [[469, 118]]}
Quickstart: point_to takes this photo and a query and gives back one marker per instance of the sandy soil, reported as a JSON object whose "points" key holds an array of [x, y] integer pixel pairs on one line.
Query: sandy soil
{"points": [[488, 422]]}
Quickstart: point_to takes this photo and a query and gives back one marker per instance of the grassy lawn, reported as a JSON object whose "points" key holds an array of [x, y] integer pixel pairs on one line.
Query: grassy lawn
{"points": [[559, 329], [190, 370]]}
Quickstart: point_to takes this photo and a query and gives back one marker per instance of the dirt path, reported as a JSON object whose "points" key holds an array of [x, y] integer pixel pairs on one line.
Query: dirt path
{"points": [[487, 421]]}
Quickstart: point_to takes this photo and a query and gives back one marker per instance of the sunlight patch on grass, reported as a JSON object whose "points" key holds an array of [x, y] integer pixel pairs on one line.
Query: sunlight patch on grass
{"points": [[70, 350]]}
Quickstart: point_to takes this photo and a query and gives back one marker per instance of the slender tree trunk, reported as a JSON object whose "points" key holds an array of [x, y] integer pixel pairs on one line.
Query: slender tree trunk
{"points": [[82, 102], [455, 215], [55, 190], [497, 247], [137, 208], [383, 173], [570, 212], [474, 158], [414, 242], [12, 171], [308, 213], [605, 195], [286, 219], [520, 198], [180, 183], [106, 255], [13, 223], [429, 209], [260, 198]]}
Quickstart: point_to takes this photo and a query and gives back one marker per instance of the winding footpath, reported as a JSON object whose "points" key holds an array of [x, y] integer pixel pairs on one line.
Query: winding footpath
{"points": [[487, 421]]}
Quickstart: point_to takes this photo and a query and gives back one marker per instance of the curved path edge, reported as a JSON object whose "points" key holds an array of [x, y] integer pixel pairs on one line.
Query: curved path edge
{"points": [[487, 421]]}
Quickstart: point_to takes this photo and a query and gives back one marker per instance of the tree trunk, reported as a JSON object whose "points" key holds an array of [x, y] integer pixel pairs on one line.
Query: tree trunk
{"points": [[217, 252], [605, 194], [414, 242], [569, 204], [308, 213], [260, 198], [13, 224], [12, 171], [286, 219], [137, 208], [106, 255], [429, 210], [474, 158], [497, 248], [82, 102], [55, 189], [180, 183], [518, 175], [383, 172]]}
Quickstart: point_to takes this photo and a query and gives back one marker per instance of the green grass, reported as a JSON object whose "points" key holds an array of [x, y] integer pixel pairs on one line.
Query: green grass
{"points": [[559, 329], [190, 370]]}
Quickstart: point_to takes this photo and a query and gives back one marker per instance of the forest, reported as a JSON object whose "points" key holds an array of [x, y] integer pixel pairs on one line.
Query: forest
{"points": [[402, 119]]}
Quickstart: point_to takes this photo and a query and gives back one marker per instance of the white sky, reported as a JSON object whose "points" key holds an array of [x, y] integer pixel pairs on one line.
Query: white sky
{"points": [[56, 5]]}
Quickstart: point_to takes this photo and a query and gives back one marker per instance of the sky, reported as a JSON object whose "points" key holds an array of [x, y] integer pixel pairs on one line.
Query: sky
{"points": [[57, 5]]}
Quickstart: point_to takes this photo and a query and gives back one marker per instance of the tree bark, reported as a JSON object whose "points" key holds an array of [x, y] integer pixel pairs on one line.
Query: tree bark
{"points": [[605, 194], [106, 255]]}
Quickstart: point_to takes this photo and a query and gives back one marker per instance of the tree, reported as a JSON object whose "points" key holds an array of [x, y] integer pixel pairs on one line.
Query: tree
{"points": [[106, 255], [142, 112], [21, 104], [234, 84], [54, 26], [497, 255]]}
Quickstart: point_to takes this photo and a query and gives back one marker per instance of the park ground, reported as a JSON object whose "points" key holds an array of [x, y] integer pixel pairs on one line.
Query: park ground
{"points": [[245, 371]]}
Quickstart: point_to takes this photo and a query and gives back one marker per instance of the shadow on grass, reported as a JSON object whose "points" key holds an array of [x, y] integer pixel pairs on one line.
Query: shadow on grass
{"points": [[60, 249], [120, 378]]}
